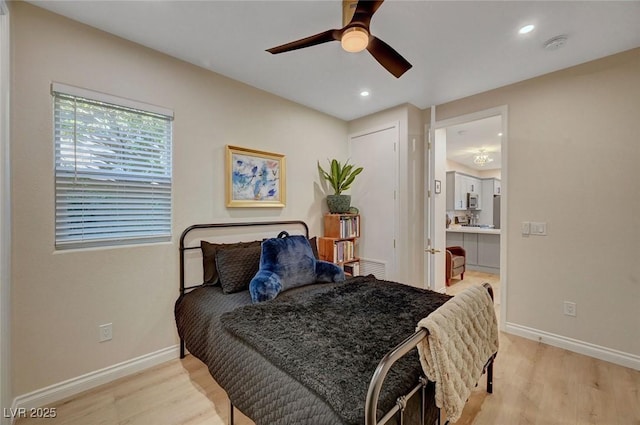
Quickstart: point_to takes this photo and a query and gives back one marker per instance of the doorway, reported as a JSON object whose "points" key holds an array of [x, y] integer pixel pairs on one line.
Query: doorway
{"points": [[440, 203]]}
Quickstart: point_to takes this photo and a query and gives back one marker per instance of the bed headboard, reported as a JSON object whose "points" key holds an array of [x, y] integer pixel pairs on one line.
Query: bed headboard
{"points": [[283, 225]]}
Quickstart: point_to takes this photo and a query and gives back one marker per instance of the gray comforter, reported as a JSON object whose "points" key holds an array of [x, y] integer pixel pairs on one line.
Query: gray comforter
{"points": [[257, 372]]}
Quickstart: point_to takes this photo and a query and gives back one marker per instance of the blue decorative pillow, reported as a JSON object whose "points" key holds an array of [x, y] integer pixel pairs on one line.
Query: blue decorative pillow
{"points": [[286, 263]]}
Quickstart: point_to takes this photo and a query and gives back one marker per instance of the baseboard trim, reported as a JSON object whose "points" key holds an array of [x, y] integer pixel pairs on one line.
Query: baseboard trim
{"points": [[484, 269], [68, 388], [442, 290], [599, 352]]}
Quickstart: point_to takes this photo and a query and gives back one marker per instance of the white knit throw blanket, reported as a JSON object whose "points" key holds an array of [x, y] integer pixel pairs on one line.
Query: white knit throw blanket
{"points": [[463, 335]]}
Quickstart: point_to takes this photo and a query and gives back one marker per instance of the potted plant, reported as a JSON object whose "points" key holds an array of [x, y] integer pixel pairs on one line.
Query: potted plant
{"points": [[340, 178]]}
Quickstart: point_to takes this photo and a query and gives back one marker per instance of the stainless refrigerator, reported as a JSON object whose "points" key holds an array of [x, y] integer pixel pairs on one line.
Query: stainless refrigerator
{"points": [[496, 211]]}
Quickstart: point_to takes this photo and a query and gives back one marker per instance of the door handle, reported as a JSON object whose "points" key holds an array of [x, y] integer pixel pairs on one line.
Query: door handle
{"points": [[432, 251]]}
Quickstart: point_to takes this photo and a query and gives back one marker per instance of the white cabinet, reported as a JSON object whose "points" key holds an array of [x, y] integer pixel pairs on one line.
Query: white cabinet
{"points": [[493, 186], [456, 191], [458, 185], [497, 187], [473, 184]]}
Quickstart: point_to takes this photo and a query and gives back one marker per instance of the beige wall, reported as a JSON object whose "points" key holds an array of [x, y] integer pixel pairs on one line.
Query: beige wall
{"points": [[573, 155], [60, 298], [461, 168], [482, 174]]}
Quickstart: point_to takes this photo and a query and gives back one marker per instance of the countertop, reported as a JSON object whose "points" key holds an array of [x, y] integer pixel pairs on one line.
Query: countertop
{"points": [[465, 229]]}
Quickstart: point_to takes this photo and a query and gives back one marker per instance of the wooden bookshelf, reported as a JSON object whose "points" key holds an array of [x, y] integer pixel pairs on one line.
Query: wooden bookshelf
{"points": [[339, 244], [342, 226]]}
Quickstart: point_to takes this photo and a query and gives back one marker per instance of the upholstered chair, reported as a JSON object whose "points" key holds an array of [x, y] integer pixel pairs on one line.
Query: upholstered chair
{"points": [[456, 258]]}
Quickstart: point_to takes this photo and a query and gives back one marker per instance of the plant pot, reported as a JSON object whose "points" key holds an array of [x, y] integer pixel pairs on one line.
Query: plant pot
{"points": [[339, 204]]}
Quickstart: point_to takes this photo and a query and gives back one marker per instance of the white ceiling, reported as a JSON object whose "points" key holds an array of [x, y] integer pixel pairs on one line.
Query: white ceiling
{"points": [[457, 48], [465, 140]]}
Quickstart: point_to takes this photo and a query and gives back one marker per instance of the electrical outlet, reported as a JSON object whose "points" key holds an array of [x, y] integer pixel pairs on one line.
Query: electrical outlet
{"points": [[569, 308], [106, 332]]}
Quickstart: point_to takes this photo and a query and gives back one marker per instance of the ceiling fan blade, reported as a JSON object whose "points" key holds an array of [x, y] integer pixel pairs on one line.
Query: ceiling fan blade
{"points": [[368, 7], [388, 57], [363, 13], [323, 37]]}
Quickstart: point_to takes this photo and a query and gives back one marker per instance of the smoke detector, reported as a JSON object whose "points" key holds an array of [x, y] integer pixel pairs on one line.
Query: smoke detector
{"points": [[556, 42]]}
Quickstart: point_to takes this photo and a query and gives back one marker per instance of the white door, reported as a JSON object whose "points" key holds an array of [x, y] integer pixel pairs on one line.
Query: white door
{"points": [[373, 193], [436, 203]]}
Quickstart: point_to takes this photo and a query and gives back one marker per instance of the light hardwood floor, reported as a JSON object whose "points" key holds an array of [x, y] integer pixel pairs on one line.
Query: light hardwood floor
{"points": [[533, 384]]}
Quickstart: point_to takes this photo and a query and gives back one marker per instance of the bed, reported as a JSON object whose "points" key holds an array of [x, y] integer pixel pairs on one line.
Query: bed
{"points": [[325, 353]]}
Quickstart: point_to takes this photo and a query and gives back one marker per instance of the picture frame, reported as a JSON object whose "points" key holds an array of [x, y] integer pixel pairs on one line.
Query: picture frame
{"points": [[254, 178], [438, 187]]}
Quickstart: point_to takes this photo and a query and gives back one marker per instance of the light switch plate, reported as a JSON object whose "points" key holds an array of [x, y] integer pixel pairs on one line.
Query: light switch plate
{"points": [[539, 228], [526, 228]]}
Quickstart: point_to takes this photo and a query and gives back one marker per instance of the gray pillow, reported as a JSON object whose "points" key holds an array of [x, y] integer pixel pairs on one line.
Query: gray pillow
{"points": [[314, 247], [209, 251], [237, 266]]}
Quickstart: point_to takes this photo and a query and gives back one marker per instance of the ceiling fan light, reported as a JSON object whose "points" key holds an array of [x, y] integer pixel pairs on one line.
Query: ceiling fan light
{"points": [[355, 40]]}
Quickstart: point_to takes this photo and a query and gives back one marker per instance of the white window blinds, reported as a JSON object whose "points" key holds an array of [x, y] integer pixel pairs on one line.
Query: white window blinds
{"points": [[112, 168]]}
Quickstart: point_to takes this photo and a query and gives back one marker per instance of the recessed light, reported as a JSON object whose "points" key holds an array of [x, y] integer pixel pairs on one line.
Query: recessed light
{"points": [[499, 134], [364, 93], [526, 29]]}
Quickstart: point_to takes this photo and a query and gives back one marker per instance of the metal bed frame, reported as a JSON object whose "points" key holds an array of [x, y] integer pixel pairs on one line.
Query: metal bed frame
{"points": [[373, 393], [393, 356]]}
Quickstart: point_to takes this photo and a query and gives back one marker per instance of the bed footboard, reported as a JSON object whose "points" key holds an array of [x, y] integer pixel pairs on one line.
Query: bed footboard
{"points": [[377, 380]]}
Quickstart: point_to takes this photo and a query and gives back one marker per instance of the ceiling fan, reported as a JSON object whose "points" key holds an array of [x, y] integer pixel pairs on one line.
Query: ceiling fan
{"points": [[355, 37]]}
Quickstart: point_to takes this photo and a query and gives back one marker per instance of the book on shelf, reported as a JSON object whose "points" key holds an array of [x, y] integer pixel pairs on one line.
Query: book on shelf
{"points": [[349, 226], [339, 243], [352, 269], [343, 251], [342, 225]]}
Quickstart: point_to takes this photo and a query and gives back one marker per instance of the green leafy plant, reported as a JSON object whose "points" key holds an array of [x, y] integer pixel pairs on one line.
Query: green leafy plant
{"points": [[341, 176]]}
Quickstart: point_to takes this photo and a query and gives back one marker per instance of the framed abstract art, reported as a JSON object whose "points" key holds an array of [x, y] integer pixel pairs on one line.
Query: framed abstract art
{"points": [[254, 178]]}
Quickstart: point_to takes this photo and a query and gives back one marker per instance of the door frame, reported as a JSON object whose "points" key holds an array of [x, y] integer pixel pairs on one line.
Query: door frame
{"points": [[396, 183], [431, 204], [5, 215], [503, 112]]}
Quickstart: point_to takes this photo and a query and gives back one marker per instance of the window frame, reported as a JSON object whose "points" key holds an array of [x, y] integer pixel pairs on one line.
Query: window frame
{"points": [[118, 105]]}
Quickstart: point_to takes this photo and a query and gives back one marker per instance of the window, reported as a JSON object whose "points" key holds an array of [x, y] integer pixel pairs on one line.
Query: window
{"points": [[112, 169]]}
